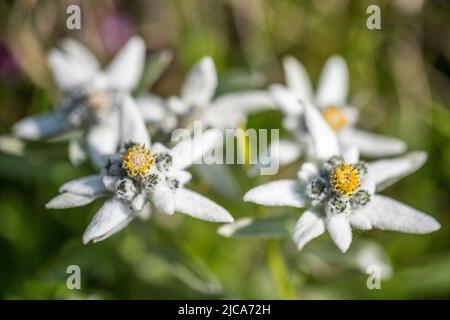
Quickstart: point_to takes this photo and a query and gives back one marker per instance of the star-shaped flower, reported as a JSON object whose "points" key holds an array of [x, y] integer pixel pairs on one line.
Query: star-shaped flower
{"points": [[339, 192], [331, 101], [96, 101], [138, 176], [197, 102]]}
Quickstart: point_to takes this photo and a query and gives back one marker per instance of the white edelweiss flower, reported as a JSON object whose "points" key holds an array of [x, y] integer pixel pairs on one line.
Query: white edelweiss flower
{"points": [[339, 194], [331, 100], [138, 176], [95, 100], [197, 102], [339, 191]]}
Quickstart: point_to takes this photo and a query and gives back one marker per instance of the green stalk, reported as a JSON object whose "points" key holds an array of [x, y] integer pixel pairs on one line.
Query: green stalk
{"points": [[279, 271]]}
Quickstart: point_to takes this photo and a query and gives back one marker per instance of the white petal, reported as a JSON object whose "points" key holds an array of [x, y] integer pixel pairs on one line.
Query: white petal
{"points": [[87, 186], [297, 78], [191, 150], [288, 151], [138, 202], [77, 151], [70, 200], [125, 71], [368, 254], [197, 206], [325, 143], [307, 171], [163, 198], [278, 193], [145, 212], [309, 226], [286, 100], [110, 182], [67, 72], [372, 145], [159, 148], [200, 83], [295, 126], [388, 214], [80, 55], [112, 217], [368, 184], [360, 221], [351, 114], [133, 127], [223, 119], [386, 172], [340, 231], [182, 176], [178, 106], [350, 154], [245, 101], [231, 110], [102, 141], [41, 126], [152, 108], [333, 83]]}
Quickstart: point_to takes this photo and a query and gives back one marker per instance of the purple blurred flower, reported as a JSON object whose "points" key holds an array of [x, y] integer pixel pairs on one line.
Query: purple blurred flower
{"points": [[115, 30], [9, 66]]}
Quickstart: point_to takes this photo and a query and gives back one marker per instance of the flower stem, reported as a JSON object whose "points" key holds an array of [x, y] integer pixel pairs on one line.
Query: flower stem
{"points": [[278, 270]]}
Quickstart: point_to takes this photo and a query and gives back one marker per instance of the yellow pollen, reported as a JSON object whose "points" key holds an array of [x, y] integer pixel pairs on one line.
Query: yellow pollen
{"points": [[335, 117], [345, 179], [137, 161]]}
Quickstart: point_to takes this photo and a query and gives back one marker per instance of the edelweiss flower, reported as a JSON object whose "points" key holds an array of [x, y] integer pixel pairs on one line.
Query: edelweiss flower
{"points": [[139, 176], [196, 103], [339, 192], [95, 100], [331, 100]]}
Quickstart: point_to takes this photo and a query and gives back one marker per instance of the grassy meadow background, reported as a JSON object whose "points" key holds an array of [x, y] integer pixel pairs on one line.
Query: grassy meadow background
{"points": [[399, 77]]}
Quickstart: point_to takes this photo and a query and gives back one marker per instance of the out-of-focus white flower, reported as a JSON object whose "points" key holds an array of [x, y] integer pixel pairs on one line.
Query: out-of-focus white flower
{"points": [[339, 191], [197, 102], [331, 101], [95, 100], [141, 175]]}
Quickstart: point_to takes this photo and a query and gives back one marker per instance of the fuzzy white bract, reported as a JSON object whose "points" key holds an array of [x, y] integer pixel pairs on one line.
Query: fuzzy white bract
{"points": [[339, 192], [197, 102], [95, 101], [139, 179], [331, 100]]}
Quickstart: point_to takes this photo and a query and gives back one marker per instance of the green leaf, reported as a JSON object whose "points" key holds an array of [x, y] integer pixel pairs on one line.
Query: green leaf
{"points": [[156, 64], [270, 228], [174, 261], [220, 179], [279, 271], [323, 260]]}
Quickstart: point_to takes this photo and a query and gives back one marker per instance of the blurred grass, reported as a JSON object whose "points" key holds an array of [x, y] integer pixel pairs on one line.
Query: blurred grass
{"points": [[400, 77]]}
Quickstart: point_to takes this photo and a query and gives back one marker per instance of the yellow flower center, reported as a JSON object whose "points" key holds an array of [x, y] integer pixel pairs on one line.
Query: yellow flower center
{"points": [[97, 100], [335, 117], [345, 179], [137, 161]]}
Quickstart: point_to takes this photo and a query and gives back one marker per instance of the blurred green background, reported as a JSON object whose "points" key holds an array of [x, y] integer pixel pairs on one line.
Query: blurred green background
{"points": [[400, 78]]}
